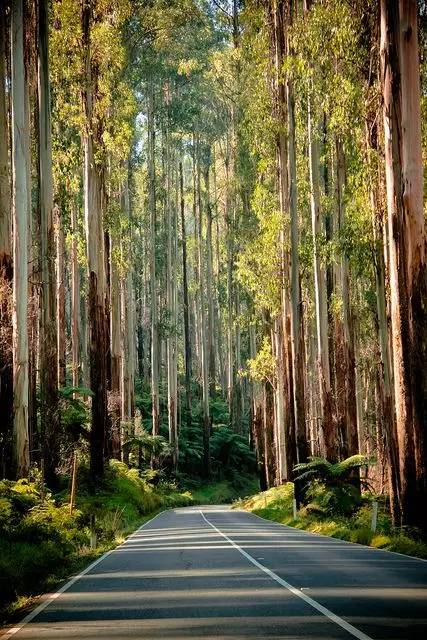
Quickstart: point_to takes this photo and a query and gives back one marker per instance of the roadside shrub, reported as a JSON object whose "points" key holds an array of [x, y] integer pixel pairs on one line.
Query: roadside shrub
{"points": [[340, 499], [403, 544], [334, 487], [380, 541], [362, 518], [361, 536]]}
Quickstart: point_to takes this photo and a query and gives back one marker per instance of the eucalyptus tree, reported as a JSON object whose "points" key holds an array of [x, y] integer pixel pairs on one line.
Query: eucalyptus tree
{"points": [[406, 236], [21, 213], [48, 325], [6, 267]]}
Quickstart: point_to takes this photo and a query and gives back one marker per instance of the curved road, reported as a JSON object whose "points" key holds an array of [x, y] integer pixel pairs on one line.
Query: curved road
{"points": [[211, 572]]}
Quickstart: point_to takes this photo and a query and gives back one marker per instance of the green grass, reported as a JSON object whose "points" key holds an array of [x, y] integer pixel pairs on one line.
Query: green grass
{"points": [[276, 504]]}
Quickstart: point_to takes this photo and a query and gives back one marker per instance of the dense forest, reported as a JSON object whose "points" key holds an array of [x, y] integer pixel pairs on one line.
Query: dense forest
{"points": [[212, 240]]}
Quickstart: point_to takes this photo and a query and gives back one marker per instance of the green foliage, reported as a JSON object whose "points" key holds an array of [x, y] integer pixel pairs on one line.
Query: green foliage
{"points": [[39, 538], [147, 446], [75, 415], [329, 472], [36, 536], [332, 488], [276, 504], [263, 366], [223, 492], [230, 452]]}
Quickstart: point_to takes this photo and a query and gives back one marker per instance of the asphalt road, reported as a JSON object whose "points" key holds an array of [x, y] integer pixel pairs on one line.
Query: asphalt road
{"points": [[210, 572]]}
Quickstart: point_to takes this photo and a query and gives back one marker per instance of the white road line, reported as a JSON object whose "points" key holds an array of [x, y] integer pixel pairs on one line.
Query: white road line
{"points": [[53, 596], [326, 612]]}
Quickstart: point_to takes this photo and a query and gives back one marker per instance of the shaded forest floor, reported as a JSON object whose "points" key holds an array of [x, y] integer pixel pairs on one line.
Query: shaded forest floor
{"points": [[41, 544], [276, 504]]}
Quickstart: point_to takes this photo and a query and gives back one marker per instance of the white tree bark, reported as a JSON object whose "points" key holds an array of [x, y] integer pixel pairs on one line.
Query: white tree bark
{"points": [[153, 275], [20, 161]]}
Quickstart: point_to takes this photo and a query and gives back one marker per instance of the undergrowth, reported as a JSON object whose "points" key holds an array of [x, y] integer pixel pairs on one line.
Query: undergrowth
{"points": [[276, 504], [41, 543], [221, 492]]}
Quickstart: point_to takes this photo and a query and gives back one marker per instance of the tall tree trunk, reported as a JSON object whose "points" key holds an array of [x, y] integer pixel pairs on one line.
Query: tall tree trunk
{"points": [[49, 410], [95, 260], [20, 161], [329, 434], [228, 215], [387, 418], [407, 247], [209, 287], [128, 327], [352, 444], [203, 336], [269, 457], [186, 310], [60, 298], [34, 266], [217, 308], [75, 299], [153, 275], [171, 305], [6, 268], [257, 423], [238, 400], [276, 18], [282, 470], [84, 350], [116, 348], [296, 309]]}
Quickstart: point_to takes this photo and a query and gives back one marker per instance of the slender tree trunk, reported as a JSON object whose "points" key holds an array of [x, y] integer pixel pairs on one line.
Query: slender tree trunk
{"points": [[153, 275], [281, 404], [350, 412], [116, 348], [203, 336], [60, 298], [238, 394], [20, 160], [290, 435], [128, 328], [257, 423], [34, 266], [75, 299], [296, 314], [325, 388], [209, 287], [276, 18], [171, 305], [84, 351], [6, 268], [187, 341], [230, 258], [49, 410], [268, 408], [216, 275]]}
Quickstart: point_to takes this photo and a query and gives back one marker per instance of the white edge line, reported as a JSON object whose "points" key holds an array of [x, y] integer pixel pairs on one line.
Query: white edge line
{"points": [[356, 633], [323, 535], [53, 596]]}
